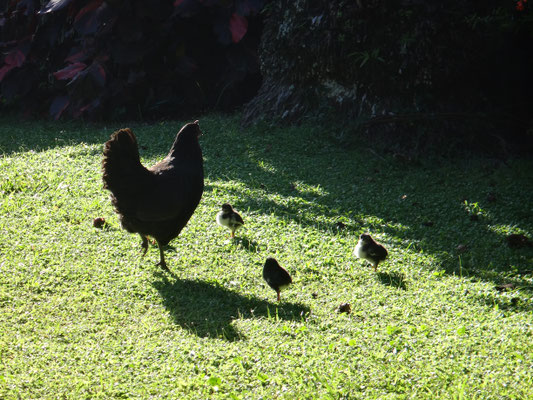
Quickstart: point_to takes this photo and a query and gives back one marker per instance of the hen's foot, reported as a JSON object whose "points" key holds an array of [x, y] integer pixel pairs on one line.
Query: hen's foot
{"points": [[144, 245], [162, 262], [163, 265]]}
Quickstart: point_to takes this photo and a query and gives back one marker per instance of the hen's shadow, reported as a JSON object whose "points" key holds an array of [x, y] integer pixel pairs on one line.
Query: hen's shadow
{"points": [[393, 279], [208, 309]]}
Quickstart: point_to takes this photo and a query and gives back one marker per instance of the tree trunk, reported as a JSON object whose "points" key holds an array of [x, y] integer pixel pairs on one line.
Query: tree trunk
{"points": [[379, 63]]}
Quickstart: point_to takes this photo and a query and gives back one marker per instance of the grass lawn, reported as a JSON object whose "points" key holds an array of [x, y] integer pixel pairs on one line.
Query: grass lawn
{"points": [[84, 316]]}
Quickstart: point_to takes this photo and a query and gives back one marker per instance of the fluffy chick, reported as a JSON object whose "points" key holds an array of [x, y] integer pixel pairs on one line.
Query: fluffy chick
{"points": [[370, 250], [229, 218], [276, 276]]}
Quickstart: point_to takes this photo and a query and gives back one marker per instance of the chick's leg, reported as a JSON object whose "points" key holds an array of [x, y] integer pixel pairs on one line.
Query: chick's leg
{"points": [[162, 262], [279, 296], [144, 244]]}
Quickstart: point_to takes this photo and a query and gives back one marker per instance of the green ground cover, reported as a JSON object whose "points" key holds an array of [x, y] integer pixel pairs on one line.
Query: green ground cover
{"points": [[84, 316]]}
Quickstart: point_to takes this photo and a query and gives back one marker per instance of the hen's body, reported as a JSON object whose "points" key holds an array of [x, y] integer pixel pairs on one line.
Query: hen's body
{"points": [[156, 201]]}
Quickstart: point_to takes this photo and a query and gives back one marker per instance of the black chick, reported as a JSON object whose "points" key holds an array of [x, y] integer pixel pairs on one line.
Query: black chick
{"points": [[516, 241], [156, 201], [370, 250], [229, 218], [276, 276]]}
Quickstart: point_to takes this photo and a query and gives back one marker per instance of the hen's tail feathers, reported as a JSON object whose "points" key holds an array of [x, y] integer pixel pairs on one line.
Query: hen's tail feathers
{"points": [[122, 168], [121, 158]]}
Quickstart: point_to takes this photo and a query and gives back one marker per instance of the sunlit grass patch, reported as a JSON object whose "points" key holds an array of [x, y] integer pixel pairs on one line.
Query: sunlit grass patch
{"points": [[83, 315]]}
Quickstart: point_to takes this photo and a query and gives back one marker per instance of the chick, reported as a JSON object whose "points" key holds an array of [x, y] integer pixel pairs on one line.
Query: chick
{"points": [[516, 241], [276, 276], [229, 218], [370, 250]]}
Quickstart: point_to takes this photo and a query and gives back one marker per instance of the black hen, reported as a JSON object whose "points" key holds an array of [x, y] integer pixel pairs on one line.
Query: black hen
{"points": [[156, 201]]}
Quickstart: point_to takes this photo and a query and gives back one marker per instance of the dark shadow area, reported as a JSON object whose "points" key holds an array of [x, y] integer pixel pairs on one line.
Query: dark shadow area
{"points": [[208, 309], [512, 302], [154, 140], [51, 134], [393, 279]]}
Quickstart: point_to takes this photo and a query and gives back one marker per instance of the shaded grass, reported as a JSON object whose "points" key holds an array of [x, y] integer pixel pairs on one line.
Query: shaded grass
{"points": [[84, 316]]}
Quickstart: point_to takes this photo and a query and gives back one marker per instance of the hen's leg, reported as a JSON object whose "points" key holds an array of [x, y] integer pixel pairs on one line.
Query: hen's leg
{"points": [[144, 244], [162, 262]]}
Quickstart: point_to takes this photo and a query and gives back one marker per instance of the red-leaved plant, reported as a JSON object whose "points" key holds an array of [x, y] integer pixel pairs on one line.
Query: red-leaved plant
{"points": [[128, 58]]}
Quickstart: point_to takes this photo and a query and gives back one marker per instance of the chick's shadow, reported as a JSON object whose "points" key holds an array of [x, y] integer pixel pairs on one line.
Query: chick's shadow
{"points": [[393, 279], [250, 245], [208, 309]]}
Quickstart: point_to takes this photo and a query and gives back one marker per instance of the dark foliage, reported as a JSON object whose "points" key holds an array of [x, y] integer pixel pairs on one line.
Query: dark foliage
{"points": [[128, 59]]}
